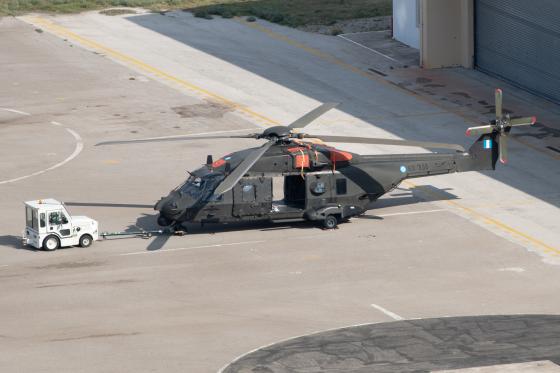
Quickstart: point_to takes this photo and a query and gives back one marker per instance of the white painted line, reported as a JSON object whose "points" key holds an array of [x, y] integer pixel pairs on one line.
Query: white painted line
{"points": [[392, 315], [512, 269], [190, 248], [77, 150], [410, 213], [56, 124], [15, 111], [4, 265], [369, 49]]}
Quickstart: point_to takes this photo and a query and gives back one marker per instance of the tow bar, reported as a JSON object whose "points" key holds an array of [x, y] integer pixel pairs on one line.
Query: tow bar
{"points": [[142, 233]]}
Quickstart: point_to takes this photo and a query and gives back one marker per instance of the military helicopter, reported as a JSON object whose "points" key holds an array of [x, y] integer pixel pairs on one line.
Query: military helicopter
{"points": [[321, 183]]}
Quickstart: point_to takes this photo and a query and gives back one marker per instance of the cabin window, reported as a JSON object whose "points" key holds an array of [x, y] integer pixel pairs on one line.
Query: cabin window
{"points": [[248, 193], [55, 218], [34, 219], [28, 217], [42, 220], [318, 188], [340, 186]]}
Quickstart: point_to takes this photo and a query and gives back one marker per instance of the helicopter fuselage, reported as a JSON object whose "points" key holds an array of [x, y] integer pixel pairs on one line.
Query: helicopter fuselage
{"points": [[318, 181]]}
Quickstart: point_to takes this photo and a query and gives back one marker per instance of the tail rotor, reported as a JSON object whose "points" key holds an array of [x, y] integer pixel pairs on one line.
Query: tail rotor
{"points": [[501, 126]]}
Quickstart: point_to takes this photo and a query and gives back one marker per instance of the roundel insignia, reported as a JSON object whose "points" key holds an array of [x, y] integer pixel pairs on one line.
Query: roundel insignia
{"points": [[403, 169]]}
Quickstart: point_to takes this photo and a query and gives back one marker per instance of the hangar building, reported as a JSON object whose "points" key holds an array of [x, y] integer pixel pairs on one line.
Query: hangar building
{"points": [[516, 40]]}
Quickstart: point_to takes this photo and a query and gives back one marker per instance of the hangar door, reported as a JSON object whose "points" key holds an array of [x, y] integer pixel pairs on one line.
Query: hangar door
{"points": [[519, 40]]}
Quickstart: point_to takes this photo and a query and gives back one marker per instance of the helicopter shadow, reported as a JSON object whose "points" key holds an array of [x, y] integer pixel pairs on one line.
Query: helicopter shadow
{"points": [[402, 197], [149, 223], [409, 196]]}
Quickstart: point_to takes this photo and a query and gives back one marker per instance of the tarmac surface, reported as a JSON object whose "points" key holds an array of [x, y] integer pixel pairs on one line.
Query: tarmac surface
{"points": [[457, 245]]}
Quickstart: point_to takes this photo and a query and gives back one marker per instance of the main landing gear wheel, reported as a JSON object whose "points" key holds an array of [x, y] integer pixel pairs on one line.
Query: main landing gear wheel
{"points": [[51, 243], [330, 222], [86, 240]]}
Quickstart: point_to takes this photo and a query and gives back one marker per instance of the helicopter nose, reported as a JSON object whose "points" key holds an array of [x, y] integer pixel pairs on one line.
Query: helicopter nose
{"points": [[163, 221], [169, 210]]}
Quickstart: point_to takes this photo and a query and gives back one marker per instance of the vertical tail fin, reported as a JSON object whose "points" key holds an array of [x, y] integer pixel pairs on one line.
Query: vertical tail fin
{"points": [[483, 154]]}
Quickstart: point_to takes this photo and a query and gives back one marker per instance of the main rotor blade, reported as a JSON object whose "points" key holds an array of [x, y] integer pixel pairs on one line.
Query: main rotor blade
{"points": [[175, 138], [480, 130], [528, 121], [312, 115], [372, 140], [498, 98], [502, 145], [232, 179]]}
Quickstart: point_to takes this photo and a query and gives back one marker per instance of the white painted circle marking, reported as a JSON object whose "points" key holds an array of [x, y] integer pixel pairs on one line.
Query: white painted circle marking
{"points": [[77, 150]]}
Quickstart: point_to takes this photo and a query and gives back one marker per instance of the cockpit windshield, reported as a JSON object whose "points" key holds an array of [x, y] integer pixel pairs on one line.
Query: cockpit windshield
{"points": [[199, 186], [193, 187]]}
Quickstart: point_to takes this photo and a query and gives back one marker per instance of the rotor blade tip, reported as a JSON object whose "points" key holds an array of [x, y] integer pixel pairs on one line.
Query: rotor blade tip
{"points": [[499, 90], [533, 120], [468, 133], [503, 161]]}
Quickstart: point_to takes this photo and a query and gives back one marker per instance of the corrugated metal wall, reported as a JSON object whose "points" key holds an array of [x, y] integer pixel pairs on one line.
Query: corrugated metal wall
{"points": [[519, 40]]}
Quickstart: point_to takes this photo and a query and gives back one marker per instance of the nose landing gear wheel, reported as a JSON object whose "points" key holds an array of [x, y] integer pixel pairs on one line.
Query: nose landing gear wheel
{"points": [[51, 243], [330, 222]]}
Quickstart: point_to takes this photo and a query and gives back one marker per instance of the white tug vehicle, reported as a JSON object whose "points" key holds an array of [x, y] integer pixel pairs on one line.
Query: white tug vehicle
{"points": [[50, 226]]}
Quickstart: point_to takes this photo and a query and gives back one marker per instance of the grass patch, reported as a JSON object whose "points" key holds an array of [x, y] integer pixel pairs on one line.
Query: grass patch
{"points": [[286, 12], [296, 13], [117, 12]]}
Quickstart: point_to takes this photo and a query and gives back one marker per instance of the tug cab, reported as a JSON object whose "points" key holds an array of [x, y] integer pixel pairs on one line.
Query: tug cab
{"points": [[49, 226]]}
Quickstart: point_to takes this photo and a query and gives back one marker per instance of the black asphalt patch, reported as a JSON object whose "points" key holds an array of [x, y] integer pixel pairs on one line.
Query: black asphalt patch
{"points": [[413, 346]]}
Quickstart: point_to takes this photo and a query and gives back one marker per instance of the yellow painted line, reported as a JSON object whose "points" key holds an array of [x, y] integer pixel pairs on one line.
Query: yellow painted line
{"points": [[64, 32], [111, 161], [491, 221], [329, 58]]}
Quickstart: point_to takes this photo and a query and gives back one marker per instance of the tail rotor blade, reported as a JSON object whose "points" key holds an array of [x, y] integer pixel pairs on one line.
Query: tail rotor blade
{"points": [[528, 121], [252, 158], [503, 149], [312, 115], [480, 130], [498, 99]]}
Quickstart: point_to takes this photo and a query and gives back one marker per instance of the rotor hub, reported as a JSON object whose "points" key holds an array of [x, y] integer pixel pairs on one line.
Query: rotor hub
{"points": [[279, 132]]}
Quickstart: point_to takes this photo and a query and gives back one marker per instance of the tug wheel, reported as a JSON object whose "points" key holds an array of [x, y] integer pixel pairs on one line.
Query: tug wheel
{"points": [[330, 222], [86, 240], [51, 243]]}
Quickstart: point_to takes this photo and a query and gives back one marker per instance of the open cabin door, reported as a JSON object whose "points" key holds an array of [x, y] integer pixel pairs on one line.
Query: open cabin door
{"points": [[252, 196]]}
